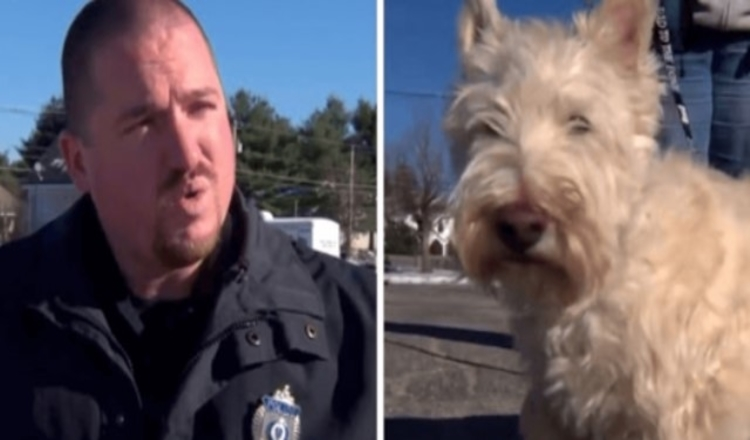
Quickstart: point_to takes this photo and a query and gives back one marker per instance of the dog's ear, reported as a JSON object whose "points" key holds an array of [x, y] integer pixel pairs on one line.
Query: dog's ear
{"points": [[479, 21], [625, 27]]}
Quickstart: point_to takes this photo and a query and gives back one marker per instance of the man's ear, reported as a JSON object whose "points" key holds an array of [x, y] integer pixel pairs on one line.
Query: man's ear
{"points": [[71, 148]]}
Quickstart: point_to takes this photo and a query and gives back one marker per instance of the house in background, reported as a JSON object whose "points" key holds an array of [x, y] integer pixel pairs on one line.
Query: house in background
{"points": [[363, 241], [48, 190], [440, 234], [10, 206]]}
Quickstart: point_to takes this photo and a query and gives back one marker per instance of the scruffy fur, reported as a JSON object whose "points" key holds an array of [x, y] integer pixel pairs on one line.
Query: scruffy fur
{"points": [[633, 306]]}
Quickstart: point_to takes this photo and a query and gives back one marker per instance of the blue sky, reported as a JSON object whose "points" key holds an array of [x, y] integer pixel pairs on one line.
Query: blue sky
{"points": [[420, 55], [295, 53]]}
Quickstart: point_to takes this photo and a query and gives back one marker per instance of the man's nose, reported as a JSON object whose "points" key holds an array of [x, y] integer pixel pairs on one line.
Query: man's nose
{"points": [[183, 150]]}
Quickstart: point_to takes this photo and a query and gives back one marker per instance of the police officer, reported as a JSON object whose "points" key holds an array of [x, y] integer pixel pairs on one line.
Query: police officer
{"points": [[160, 306]]}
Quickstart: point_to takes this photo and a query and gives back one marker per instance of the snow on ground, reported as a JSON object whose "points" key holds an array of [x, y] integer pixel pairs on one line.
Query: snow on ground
{"points": [[435, 277]]}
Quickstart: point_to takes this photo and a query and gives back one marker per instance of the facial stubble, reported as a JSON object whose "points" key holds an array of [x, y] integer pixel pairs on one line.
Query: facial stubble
{"points": [[174, 249]]}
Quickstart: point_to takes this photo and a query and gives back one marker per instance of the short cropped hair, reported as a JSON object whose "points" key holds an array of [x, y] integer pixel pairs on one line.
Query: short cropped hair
{"points": [[96, 24]]}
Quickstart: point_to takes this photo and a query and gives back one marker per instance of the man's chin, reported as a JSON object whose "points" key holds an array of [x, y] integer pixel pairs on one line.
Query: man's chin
{"points": [[181, 253], [185, 247]]}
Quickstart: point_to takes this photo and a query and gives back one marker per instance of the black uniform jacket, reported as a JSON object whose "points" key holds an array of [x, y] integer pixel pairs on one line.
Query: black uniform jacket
{"points": [[284, 315]]}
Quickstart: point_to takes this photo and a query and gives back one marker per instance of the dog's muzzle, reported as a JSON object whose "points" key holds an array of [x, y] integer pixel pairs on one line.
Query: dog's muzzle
{"points": [[519, 227]]}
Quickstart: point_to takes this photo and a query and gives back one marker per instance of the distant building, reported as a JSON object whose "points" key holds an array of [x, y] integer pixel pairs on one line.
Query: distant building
{"points": [[10, 205], [49, 191], [440, 233], [362, 241]]}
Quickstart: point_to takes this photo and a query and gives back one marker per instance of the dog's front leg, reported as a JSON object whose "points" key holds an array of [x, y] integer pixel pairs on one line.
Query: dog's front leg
{"points": [[537, 422]]}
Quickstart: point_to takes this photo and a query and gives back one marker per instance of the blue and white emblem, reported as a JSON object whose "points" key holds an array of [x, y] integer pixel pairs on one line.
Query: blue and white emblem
{"points": [[277, 417]]}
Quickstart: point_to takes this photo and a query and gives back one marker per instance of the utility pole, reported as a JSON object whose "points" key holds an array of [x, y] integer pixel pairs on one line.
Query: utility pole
{"points": [[350, 235], [236, 132]]}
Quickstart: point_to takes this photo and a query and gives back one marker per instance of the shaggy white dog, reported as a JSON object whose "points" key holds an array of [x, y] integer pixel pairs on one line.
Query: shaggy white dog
{"points": [[629, 272]]}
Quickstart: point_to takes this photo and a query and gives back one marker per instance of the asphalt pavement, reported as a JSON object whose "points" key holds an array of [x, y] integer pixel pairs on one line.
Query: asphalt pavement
{"points": [[451, 371]]}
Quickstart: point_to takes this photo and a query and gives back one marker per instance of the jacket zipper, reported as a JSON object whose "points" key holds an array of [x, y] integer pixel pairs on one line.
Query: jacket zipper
{"points": [[239, 325]]}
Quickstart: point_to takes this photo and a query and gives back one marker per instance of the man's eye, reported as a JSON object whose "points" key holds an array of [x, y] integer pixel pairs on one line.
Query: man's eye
{"points": [[200, 107], [140, 124]]}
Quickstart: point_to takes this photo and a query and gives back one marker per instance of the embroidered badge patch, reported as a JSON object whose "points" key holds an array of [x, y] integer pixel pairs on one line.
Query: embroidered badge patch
{"points": [[277, 417]]}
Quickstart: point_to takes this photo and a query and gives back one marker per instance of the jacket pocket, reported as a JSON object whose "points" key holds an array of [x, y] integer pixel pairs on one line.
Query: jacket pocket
{"points": [[61, 414], [230, 376]]}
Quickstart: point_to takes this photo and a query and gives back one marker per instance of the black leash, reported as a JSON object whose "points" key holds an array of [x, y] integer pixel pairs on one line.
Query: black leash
{"points": [[664, 48]]}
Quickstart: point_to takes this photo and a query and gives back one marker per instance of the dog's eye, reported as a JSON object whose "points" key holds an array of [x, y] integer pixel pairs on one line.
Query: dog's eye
{"points": [[579, 124], [484, 130]]}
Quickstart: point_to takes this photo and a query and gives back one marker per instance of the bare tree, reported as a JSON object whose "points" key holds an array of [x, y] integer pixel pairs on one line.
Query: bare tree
{"points": [[416, 182]]}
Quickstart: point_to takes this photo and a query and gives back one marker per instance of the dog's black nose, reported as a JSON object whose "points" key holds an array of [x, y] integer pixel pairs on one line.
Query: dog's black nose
{"points": [[520, 227]]}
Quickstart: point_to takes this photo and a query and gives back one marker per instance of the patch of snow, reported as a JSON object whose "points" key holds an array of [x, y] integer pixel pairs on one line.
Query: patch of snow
{"points": [[435, 277]]}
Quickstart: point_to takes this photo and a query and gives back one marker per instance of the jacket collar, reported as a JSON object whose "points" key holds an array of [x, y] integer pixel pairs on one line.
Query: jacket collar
{"points": [[268, 278], [267, 275]]}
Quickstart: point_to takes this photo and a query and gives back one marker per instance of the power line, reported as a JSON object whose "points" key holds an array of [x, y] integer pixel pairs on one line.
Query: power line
{"points": [[324, 183], [20, 111], [327, 184], [41, 149], [296, 136], [419, 94], [279, 177], [334, 171]]}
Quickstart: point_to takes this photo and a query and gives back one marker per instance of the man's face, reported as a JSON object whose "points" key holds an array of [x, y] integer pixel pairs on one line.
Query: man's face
{"points": [[159, 155]]}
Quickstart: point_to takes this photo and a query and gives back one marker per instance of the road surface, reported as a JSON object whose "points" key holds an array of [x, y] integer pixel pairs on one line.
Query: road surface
{"points": [[451, 372]]}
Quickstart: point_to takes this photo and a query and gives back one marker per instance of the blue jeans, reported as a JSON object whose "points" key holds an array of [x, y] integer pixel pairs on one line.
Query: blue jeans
{"points": [[714, 79]]}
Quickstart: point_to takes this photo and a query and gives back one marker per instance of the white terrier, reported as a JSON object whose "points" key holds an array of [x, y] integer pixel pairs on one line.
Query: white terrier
{"points": [[629, 273]]}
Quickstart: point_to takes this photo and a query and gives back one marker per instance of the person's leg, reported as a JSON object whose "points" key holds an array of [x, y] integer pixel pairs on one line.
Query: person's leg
{"points": [[694, 74], [730, 131]]}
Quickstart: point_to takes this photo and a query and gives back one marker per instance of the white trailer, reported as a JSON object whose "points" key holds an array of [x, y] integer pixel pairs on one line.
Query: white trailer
{"points": [[321, 234]]}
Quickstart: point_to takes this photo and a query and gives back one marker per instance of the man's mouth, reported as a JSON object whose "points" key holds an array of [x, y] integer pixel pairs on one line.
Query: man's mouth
{"points": [[192, 193], [194, 189]]}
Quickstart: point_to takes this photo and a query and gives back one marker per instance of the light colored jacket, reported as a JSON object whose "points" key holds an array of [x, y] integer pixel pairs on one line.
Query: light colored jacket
{"points": [[723, 15]]}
